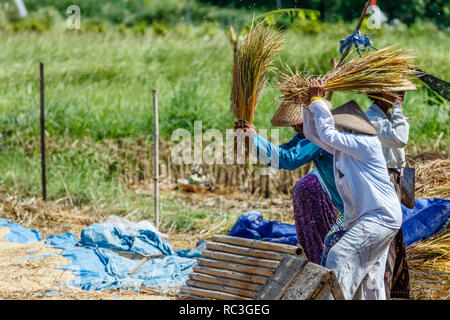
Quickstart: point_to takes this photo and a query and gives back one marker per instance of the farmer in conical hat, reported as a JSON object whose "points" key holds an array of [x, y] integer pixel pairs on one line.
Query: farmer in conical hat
{"points": [[315, 197], [393, 133], [372, 211]]}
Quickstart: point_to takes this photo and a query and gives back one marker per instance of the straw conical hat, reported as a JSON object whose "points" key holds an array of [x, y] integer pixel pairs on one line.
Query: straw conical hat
{"points": [[289, 114], [350, 116]]}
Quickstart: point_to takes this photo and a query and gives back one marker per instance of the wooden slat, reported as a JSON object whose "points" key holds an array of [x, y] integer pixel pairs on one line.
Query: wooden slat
{"points": [[191, 297], [324, 292], [220, 288], [308, 283], [224, 281], [258, 244], [323, 289], [336, 289], [258, 262], [231, 274], [244, 251], [211, 294], [259, 271], [282, 278]]}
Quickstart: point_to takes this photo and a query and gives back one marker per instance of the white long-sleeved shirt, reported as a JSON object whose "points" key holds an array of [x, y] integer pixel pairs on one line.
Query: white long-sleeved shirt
{"points": [[393, 132], [360, 169]]}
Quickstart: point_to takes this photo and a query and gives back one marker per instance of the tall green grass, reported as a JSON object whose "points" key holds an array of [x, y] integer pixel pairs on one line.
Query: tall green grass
{"points": [[99, 86]]}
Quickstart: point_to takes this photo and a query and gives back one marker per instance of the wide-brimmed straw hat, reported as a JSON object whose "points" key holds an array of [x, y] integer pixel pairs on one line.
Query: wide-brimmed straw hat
{"points": [[289, 114], [350, 116]]}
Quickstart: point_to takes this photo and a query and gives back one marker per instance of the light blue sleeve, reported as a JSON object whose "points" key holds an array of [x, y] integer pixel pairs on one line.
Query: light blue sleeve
{"points": [[291, 158]]}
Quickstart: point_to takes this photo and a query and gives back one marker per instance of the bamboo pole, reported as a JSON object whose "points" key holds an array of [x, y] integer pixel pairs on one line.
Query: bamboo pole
{"points": [[231, 274], [212, 294], [258, 271], [156, 158], [224, 281], [258, 244], [220, 288], [241, 259], [244, 251], [358, 26], [43, 164], [347, 51]]}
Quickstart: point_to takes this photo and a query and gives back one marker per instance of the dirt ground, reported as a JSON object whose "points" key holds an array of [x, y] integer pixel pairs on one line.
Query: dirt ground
{"points": [[39, 278]]}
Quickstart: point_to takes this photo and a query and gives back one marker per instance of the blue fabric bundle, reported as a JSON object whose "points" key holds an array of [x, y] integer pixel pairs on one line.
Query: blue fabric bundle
{"points": [[251, 226], [356, 39]]}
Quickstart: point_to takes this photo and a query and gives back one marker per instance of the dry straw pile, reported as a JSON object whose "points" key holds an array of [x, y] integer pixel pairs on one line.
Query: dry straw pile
{"points": [[384, 70], [433, 178], [429, 267], [429, 260], [252, 62]]}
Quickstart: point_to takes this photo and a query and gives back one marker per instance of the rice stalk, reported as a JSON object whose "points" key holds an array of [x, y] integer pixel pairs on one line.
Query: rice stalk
{"points": [[380, 71], [429, 266], [433, 179], [253, 60]]}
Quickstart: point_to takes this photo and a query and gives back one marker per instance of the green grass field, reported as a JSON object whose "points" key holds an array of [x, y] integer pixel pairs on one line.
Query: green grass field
{"points": [[99, 89]]}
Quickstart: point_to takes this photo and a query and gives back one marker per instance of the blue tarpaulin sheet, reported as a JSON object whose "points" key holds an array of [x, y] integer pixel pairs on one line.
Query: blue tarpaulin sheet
{"points": [[20, 234], [97, 264], [425, 219], [428, 216]]}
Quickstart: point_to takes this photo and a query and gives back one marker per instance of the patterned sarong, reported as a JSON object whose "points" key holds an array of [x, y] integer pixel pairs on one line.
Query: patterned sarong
{"points": [[314, 215]]}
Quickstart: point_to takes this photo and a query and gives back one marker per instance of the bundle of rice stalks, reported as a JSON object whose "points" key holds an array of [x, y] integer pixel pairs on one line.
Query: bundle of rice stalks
{"points": [[384, 70], [433, 178], [252, 62], [429, 267]]}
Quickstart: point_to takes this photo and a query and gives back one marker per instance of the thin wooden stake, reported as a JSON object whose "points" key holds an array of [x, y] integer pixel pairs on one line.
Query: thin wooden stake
{"points": [[43, 164], [347, 51], [156, 158]]}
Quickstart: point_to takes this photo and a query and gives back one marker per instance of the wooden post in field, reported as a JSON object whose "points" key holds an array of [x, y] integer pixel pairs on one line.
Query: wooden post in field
{"points": [[156, 157], [43, 166], [188, 12], [267, 189]]}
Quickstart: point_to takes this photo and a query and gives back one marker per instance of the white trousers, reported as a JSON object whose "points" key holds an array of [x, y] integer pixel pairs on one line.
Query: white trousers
{"points": [[359, 260]]}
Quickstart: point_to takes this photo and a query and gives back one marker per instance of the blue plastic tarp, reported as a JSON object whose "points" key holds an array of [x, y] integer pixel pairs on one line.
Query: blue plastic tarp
{"points": [[96, 262], [98, 267], [252, 226], [428, 216], [18, 233], [425, 219]]}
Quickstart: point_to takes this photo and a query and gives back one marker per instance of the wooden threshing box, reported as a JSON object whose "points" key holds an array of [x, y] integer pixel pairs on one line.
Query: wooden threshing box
{"points": [[235, 268]]}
